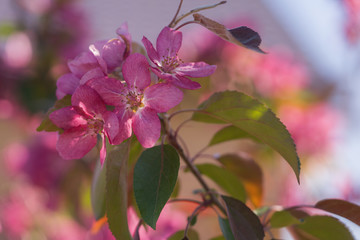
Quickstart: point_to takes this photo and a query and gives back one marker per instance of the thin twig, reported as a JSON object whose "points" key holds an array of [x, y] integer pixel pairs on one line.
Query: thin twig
{"points": [[182, 111], [198, 154], [197, 10], [195, 171], [184, 200], [171, 24], [184, 24], [197, 210]]}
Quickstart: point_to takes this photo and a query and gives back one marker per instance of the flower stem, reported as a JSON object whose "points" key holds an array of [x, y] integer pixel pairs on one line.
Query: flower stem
{"points": [[194, 170], [172, 23], [195, 11]]}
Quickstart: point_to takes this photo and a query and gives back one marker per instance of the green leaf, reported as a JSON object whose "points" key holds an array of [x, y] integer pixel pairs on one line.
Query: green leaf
{"points": [[249, 172], [282, 219], [230, 133], [191, 235], [225, 228], [176, 191], [246, 113], [324, 228], [116, 191], [243, 222], [6, 29], [46, 124], [342, 208], [218, 238], [224, 179], [155, 176], [98, 191], [242, 36]]}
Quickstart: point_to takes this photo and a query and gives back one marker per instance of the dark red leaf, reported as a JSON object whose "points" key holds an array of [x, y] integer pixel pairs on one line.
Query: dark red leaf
{"points": [[243, 222], [342, 208]]}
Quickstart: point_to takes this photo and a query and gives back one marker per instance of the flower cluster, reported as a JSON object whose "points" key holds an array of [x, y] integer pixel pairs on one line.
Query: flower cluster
{"points": [[109, 74]]}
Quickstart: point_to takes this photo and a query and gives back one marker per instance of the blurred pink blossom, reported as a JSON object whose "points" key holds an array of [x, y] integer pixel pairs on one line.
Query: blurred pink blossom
{"points": [[18, 50], [352, 24], [63, 228], [37, 7], [278, 74], [20, 209], [169, 222], [312, 127]]}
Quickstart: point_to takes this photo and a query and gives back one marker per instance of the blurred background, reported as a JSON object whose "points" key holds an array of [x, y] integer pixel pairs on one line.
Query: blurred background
{"points": [[309, 77]]}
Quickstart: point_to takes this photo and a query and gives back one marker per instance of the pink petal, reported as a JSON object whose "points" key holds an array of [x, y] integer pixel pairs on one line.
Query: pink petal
{"points": [[67, 117], [111, 90], [82, 64], [96, 49], [136, 71], [89, 100], [66, 84], [146, 127], [168, 42], [125, 122], [75, 143], [183, 82], [162, 97], [113, 53], [111, 125], [151, 52], [195, 69], [93, 73], [103, 150], [123, 32]]}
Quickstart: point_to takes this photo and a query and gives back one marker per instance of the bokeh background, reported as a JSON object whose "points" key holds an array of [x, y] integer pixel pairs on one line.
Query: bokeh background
{"points": [[309, 77]]}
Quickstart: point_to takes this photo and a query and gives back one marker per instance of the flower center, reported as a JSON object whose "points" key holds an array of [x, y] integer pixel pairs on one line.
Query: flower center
{"points": [[95, 125], [134, 100], [168, 64]]}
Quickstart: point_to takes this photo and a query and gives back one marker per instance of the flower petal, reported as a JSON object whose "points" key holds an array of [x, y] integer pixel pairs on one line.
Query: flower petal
{"points": [[93, 73], [168, 42], [89, 100], [113, 53], [183, 82], [66, 84], [123, 32], [136, 71], [151, 52], [103, 149], [125, 122], [162, 97], [96, 49], [111, 90], [195, 69], [75, 143], [111, 125], [146, 127], [82, 64], [67, 117]]}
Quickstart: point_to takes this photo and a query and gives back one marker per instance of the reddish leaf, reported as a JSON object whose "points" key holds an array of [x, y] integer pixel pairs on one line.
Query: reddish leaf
{"points": [[342, 208], [242, 36], [250, 174], [243, 222]]}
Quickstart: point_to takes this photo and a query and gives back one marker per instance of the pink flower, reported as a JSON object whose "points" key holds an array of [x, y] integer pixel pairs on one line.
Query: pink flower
{"points": [[103, 58], [169, 66], [137, 103], [81, 123], [312, 127]]}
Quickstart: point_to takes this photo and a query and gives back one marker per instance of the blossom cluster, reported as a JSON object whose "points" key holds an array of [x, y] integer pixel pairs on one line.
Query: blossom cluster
{"points": [[110, 74]]}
